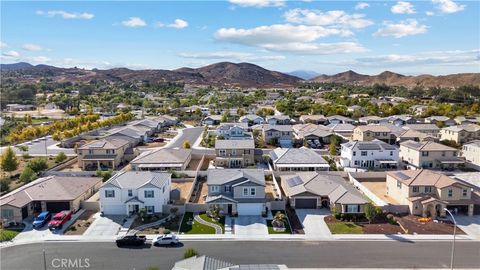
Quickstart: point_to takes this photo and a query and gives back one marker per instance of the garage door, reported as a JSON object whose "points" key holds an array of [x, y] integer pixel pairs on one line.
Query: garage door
{"points": [[55, 207], [114, 209], [250, 209], [306, 203]]}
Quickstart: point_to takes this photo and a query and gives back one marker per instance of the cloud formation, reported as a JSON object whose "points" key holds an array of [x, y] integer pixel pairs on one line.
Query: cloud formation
{"points": [[448, 6], [11, 54], [258, 3], [404, 28], [232, 56], [32, 47], [134, 22], [361, 5], [334, 18], [66, 15], [3, 44], [403, 7]]}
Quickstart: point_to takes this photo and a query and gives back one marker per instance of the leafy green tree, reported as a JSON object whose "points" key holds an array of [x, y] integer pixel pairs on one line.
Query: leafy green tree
{"points": [[189, 252], [61, 157], [4, 185], [186, 144], [9, 161], [105, 175], [38, 164], [371, 212], [28, 175]]}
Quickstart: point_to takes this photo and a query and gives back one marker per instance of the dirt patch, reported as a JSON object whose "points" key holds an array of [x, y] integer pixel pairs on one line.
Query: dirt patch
{"points": [[201, 193], [269, 192], [412, 225], [81, 224], [185, 188], [379, 189], [154, 144], [172, 225]]}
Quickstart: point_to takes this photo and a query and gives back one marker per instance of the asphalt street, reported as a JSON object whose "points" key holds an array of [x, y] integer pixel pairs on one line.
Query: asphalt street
{"points": [[189, 134], [42, 147], [298, 254]]}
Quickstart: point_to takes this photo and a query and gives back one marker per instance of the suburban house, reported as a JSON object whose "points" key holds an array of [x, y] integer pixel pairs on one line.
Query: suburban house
{"points": [[372, 119], [414, 135], [233, 131], [51, 193], [372, 132], [401, 120], [312, 133], [317, 119], [372, 154], [129, 191], [464, 120], [164, 159], [428, 154], [108, 153], [278, 134], [297, 159], [471, 153], [447, 121], [212, 120], [428, 193], [338, 119], [20, 107], [166, 120], [343, 130], [461, 134], [234, 153], [136, 135], [429, 129], [237, 191], [151, 125], [251, 119], [278, 120], [310, 190]]}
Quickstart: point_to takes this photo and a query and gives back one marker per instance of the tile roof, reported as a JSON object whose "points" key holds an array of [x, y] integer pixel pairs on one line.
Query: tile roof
{"points": [[466, 127], [426, 146], [222, 176], [296, 156], [369, 145], [424, 177], [235, 144], [373, 128], [106, 143], [163, 155], [431, 127], [137, 179], [282, 128], [201, 263]]}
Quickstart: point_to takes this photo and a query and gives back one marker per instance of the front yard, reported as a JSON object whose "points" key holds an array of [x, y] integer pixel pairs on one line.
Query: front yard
{"points": [[271, 230], [190, 226], [9, 233], [81, 224]]}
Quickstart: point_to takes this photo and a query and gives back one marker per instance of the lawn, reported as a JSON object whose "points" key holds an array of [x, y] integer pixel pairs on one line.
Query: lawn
{"points": [[7, 235], [288, 230], [345, 228], [197, 228]]}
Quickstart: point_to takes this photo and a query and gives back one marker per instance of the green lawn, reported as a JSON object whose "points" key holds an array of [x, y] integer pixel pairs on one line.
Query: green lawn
{"points": [[288, 230], [7, 235], [197, 228], [345, 228]]}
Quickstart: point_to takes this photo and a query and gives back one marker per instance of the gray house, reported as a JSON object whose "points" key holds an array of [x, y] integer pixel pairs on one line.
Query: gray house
{"points": [[237, 191]]}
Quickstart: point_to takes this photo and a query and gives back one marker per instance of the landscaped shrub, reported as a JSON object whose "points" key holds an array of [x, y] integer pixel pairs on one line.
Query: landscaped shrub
{"points": [[190, 252], [166, 231]]}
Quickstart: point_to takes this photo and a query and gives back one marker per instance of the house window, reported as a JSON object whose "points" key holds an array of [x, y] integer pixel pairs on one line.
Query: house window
{"points": [[464, 193], [234, 152], [399, 184], [222, 153], [214, 188], [415, 189], [150, 209], [391, 153], [443, 153], [245, 191], [7, 213], [424, 154], [228, 188], [130, 193], [428, 189], [356, 162], [163, 190], [450, 192], [148, 194], [352, 208], [90, 152], [354, 153], [109, 193], [253, 191], [364, 153]]}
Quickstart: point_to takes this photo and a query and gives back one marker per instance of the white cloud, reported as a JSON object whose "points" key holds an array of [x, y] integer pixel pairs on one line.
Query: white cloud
{"points": [[335, 18], [258, 3], [404, 28], [3, 44], [32, 47], [429, 13], [134, 22], [361, 5], [39, 59], [232, 56], [403, 7], [424, 58], [66, 15], [179, 24], [12, 54], [317, 48], [448, 6]]}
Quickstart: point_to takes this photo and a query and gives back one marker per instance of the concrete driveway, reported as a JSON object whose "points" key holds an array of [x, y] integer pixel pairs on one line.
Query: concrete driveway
{"points": [[250, 226], [104, 226], [470, 225], [313, 222]]}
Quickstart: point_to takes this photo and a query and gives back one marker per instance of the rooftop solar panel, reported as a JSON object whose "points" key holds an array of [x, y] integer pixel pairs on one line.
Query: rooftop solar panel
{"points": [[295, 181], [402, 175]]}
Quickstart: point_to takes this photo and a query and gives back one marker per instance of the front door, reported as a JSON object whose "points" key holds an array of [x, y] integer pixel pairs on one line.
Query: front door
{"points": [[229, 209]]}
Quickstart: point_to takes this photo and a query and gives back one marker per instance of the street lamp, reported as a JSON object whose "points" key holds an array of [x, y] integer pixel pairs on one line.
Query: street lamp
{"points": [[454, 233]]}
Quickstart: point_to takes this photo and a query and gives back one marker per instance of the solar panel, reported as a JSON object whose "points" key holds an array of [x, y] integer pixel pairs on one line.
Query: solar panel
{"points": [[98, 144], [295, 181], [369, 146], [402, 175]]}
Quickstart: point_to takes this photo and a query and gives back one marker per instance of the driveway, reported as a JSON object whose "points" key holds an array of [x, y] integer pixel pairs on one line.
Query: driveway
{"points": [[313, 222], [44, 146], [250, 226], [104, 226], [470, 225], [188, 134]]}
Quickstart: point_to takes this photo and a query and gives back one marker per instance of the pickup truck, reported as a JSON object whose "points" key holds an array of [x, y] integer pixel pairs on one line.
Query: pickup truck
{"points": [[59, 219], [131, 240]]}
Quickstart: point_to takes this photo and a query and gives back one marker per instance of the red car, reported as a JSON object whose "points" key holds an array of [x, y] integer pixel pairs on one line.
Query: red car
{"points": [[59, 219]]}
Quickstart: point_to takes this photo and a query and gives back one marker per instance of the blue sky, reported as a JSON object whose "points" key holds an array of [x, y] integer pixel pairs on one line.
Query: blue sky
{"points": [[410, 37]]}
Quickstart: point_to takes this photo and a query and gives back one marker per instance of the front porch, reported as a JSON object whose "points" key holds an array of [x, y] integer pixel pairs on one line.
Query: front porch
{"points": [[133, 206], [226, 205]]}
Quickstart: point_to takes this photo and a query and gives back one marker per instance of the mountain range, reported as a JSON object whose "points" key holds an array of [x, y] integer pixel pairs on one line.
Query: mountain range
{"points": [[230, 74]]}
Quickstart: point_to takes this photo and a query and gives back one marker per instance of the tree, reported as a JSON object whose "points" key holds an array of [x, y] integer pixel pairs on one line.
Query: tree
{"points": [[61, 157], [371, 212], [186, 144], [189, 252], [279, 220], [332, 148], [38, 164], [105, 175], [9, 161], [27, 175], [4, 185]]}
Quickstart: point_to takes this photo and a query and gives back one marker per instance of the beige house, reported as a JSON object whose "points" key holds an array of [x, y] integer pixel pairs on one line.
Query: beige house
{"points": [[461, 134], [108, 153], [164, 159], [428, 193], [471, 153], [234, 153], [313, 119], [278, 134], [52, 193], [371, 132], [429, 154]]}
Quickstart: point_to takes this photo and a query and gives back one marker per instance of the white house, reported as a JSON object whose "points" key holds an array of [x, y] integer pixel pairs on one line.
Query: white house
{"points": [[370, 154], [128, 192], [278, 120], [251, 119], [233, 131], [471, 152]]}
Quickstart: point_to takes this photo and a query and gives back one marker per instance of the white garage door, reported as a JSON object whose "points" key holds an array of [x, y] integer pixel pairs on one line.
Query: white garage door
{"points": [[114, 209], [249, 209]]}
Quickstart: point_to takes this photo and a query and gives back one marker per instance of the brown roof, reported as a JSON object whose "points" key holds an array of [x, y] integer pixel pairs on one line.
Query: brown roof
{"points": [[424, 178], [107, 143], [373, 128], [50, 188], [426, 146]]}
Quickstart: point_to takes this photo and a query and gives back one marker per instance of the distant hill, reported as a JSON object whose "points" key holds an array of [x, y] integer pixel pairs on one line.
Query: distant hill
{"points": [[304, 74], [15, 66], [391, 78]]}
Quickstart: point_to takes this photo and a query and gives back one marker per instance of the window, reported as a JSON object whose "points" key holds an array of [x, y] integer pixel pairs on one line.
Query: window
{"points": [[150, 209], [354, 153], [450, 192], [163, 190], [228, 188], [424, 154], [443, 153], [355, 162], [415, 189], [391, 153], [377, 133], [110, 151], [253, 191], [148, 194], [245, 191], [214, 188], [90, 152], [399, 184], [130, 193], [352, 208], [234, 152], [222, 153], [7, 213], [109, 193], [385, 133], [464, 193], [428, 189], [364, 153]]}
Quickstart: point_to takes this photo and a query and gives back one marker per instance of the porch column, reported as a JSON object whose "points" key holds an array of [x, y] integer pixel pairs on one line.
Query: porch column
{"points": [[98, 165], [470, 210]]}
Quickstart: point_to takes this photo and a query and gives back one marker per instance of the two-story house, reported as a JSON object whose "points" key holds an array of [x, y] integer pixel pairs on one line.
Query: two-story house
{"points": [[471, 153], [429, 154], [233, 131], [297, 159], [317, 119], [373, 154], [129, 191], [400, 120], [278, 120], [461, 134], [339, 119], [234, 153], [440, 120], [372, 132], [212, 120], [108, 153], [429, 129], [278, 135], [237, 191], [251, 119], [428, 193]]}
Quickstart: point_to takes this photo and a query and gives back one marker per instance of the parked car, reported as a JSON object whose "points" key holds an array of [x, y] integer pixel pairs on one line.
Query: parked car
{"points": [[59, 219], [41, 219], [131, 240], [159, 140], [167, 239]]}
